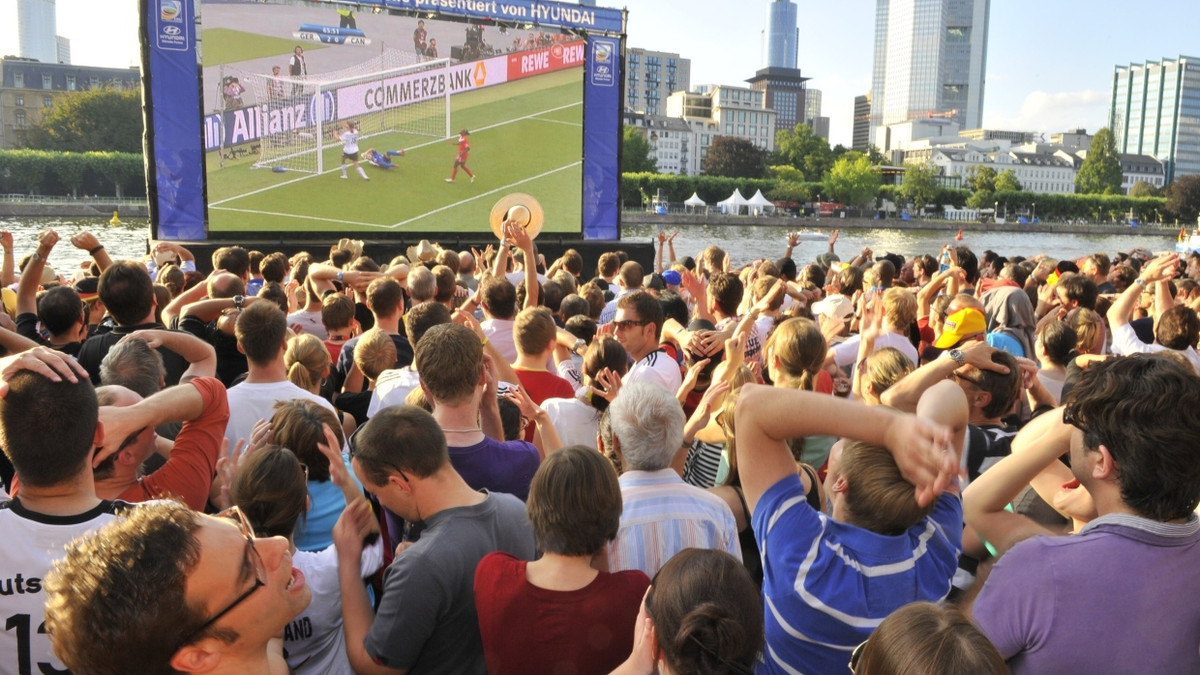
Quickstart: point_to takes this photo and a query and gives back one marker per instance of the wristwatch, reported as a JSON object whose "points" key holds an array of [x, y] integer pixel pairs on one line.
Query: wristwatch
{"points": [[1140, 282], [238, 301], [580, 344], [958, 356]]}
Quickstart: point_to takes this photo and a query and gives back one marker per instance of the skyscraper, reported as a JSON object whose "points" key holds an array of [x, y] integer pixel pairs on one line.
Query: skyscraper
{"points": [[930, 59], [782, 35], [1154, 110], [36, 26]]}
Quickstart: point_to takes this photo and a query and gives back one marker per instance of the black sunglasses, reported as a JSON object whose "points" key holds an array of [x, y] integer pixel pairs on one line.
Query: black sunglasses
{"points": [[252, 557], [626, 324]]}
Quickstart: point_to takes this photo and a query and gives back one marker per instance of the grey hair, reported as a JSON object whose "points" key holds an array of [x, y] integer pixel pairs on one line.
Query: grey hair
{"points": [[422, 285], [135, 366], [647, 422]]}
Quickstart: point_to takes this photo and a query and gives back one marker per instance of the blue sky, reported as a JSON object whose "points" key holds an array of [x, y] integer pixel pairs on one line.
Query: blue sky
{"points": [[1049, 62]]}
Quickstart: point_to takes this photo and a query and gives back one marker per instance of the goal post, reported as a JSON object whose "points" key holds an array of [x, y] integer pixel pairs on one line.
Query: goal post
{"points": [[302, 117]]}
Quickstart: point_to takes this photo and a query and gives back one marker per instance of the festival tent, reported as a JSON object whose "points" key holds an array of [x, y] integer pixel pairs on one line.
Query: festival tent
{"points": [[760, 204], [734, 203], [694, 202]]}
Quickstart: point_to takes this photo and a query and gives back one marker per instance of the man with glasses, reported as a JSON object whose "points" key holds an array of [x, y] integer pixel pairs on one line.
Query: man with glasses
{"points": [[168, 588], [1119, 595], [637, 326], [49, 425], [426, 621]]}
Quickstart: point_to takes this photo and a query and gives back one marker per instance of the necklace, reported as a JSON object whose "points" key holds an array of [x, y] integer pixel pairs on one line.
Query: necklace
{"points": [[461, 431]]}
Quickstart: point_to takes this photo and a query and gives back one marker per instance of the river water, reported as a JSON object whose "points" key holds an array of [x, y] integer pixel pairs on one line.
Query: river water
{"points": [[744, 243]]}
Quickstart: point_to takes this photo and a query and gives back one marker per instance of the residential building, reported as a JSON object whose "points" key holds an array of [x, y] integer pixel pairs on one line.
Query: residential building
{"points": [[781, 39], [1072, 139], [930, 60], [1155, 108], [861, 138], [1037, 172], [997, 134], [650, 77], [1142, 168], [785, 93], [670, 140], [28, 87], [721, 110], [36, 27]]}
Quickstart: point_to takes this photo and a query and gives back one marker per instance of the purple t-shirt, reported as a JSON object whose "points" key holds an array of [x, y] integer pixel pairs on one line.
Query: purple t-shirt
{"points": [[1119, 597], [499, 466]]}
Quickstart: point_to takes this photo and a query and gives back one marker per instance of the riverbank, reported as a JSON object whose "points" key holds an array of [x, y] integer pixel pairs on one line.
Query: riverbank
{"points": [[673, 220], [73, 209]]}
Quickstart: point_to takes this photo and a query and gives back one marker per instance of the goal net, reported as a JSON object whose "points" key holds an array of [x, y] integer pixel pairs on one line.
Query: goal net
{"points": [[301, 117]]}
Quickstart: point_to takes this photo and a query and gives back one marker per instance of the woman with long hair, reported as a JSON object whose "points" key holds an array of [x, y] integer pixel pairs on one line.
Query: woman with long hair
{"points": [[577, 419]]}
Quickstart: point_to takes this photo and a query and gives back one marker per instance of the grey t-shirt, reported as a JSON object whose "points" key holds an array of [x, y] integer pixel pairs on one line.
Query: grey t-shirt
{"points": [[426, 620]]}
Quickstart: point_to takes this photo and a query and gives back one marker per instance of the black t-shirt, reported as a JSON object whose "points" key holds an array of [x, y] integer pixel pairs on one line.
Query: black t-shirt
{"points": [[230, 362], [27, 326], [986, 445], [96, 347]]}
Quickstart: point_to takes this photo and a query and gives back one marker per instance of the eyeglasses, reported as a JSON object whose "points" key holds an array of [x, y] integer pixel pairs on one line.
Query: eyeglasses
{"points": [[965, 378], [251, 559], [856, 656], [1069, 417], [626, 324]]}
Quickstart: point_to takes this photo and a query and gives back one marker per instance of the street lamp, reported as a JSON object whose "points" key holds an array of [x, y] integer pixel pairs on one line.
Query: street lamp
{"points": [[1034, 217], [995, 210]]}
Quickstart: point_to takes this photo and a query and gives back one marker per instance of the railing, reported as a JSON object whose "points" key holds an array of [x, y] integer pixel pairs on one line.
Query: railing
{"points": [[13, 198]]}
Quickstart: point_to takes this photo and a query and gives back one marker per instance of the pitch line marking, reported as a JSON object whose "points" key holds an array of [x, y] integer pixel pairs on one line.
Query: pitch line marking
{"points": [[296, 215], [484, 194]]}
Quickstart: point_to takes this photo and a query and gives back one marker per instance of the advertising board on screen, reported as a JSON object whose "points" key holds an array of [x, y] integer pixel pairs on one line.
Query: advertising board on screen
{"points": [[390, 118]]}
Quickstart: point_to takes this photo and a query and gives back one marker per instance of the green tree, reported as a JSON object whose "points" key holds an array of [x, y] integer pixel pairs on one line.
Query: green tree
{"points": [[787, 173], [1100, 173], [1006, 181], [982, 199], [635, 152], [101, 119], [736, 157], [853, 180], [1183, 198], [920, 185], [1142, 189], [804, 150], [980, 177]]}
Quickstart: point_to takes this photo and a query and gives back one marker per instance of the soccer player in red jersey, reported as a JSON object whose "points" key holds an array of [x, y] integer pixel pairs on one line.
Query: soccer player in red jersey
{"points": [[464, 149]]}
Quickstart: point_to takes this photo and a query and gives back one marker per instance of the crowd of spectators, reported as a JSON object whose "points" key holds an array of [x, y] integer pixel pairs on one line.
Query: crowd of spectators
{"points": [[475, 461]]}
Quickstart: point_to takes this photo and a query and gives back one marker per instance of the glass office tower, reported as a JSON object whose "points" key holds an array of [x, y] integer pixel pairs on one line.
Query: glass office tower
{"points": [[1156, 111]]}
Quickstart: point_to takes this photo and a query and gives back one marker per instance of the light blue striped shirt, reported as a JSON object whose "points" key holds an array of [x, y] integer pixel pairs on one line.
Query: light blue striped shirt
{"points": [[662, 515]]}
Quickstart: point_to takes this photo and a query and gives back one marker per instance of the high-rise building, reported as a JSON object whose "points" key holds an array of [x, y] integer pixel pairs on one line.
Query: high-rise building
{"points": [[784, 92], [782, 37], [861, 138], [930, 59], [1154, 110], [721, 110], [36, 27], [63, 47], [650, 77]]}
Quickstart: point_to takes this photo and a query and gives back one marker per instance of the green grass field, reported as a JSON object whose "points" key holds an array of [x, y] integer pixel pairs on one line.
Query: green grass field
{"points": [[226, 45], [526, 136]]}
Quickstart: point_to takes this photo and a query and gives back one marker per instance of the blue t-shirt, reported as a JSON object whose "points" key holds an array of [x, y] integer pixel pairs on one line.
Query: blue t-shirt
{"points": [[326, 503], [828, 584], [1007, 343]]}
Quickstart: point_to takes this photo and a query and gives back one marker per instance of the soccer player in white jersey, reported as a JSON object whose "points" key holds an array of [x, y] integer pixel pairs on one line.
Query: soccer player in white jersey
{"points": [[349, 139]]}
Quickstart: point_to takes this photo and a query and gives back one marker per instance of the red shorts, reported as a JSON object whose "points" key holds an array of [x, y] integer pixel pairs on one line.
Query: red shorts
{"points": [[462, 158]]}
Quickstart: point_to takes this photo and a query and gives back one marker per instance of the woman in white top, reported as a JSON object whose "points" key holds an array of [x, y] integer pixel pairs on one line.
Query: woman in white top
{"points": [[578, 418], [270, 490], [349, 139]]}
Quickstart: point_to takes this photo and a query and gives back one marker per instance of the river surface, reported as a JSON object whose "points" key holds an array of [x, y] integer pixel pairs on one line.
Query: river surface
{"points": [[744, 243]]}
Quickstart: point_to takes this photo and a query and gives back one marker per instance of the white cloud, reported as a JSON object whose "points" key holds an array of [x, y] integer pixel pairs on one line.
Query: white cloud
{"points": [[1052, 112]]}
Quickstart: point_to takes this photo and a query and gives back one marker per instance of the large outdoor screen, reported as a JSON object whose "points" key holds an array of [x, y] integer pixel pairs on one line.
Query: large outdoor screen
{"points": [[444, 110]]}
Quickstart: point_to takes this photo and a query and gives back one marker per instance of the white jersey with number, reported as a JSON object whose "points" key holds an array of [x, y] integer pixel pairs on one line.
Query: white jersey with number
{"points": [[32, 542], [349, 142]]}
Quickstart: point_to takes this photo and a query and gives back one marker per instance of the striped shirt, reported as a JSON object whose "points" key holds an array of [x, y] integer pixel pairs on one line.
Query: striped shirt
{"points": [[828, 584], [702, 464], [662, 515], [657, 367]]}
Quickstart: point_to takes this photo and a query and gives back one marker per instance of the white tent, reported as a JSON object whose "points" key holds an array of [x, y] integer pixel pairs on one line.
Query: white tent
{"points": [[733, 205], [694, 202], [760, 204]]}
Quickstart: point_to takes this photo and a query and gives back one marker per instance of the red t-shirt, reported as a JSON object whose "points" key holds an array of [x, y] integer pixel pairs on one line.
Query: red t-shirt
{"points": [[541, 385], [526, 629]]}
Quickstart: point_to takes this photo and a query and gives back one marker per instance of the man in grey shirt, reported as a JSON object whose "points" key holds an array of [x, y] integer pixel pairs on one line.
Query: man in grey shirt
{"points": [[426, 622]]}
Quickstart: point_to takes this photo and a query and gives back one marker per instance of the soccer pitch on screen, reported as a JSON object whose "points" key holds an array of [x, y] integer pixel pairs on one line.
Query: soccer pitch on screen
{"points": [[525, 136]]}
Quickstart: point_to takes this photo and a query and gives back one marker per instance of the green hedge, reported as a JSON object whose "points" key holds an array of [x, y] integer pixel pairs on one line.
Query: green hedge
{"points": [[47, 172], [1050, 207]]}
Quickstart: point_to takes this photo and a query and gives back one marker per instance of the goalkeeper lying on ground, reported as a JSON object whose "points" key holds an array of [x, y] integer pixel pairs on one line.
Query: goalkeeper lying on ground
{"points": [[382, 160]]}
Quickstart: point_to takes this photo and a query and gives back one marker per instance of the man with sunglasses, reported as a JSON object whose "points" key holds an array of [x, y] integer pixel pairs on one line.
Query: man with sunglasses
{"points": [[168, 588], [637, 326], [49, 426], [1119, 595]]}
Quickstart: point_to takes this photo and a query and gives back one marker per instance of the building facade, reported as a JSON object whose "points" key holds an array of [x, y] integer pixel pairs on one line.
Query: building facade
{"points": [[861, 136], [36, 26], [781, 39], [784, 92], [1039, 172], [1156, 111], [650, 77], [930, 60], [1143, 168], [721, 110], [671, 140], [28, 87], [812, 113]]}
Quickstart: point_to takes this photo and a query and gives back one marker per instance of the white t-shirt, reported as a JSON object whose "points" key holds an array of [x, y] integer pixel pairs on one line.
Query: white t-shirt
{"points": [[30, 548], [657, 367], [314, 641], [846, 352], [251, 402], [575, 421], [1125, 342], [310, 322], [349, 142], [392, 387], [499, 333]]}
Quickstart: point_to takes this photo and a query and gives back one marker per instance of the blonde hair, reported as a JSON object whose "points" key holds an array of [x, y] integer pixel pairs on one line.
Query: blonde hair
{"points": [[307, 362], [885, 368], [900, 308], [800, 348]]}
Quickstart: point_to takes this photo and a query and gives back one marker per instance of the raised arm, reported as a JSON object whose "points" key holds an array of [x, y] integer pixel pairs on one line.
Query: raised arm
{"points": [[207, 310], [179, 302], [86, 241], [31, 278], [768, 416], [6, 270], [1161, 268], [905, 394], [201, 357]]}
